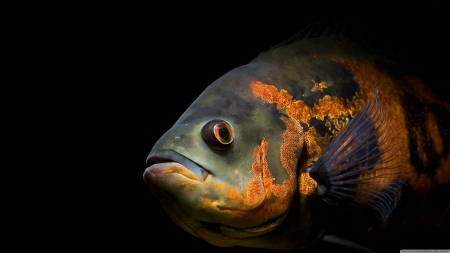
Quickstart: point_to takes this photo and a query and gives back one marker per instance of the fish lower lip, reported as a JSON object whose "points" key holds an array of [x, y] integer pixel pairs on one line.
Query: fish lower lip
{"points": [[166, 155], [171, 167]]}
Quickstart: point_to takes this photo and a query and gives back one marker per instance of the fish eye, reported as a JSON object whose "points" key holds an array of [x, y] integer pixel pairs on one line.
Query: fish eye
{"points": [[218, 134]]}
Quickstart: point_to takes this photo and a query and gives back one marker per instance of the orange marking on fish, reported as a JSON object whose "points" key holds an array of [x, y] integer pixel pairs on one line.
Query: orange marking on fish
{"points": [[256, 187], [299, 111], [422, 183], [307, 184], [292, 145], [233, 194], [262, 185], [328, 106], [318, 86], [336, 108], [290, 151], [442, 175], [315, 145], [432, 126], [260, 165], [271, 94], [369, 77]]}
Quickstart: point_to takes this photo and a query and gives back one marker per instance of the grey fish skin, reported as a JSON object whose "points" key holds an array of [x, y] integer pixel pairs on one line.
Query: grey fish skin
{"points": [[285, 107]]}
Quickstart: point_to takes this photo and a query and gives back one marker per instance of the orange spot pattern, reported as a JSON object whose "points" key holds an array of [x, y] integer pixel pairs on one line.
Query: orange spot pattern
{"points": [[232, 193], [270, 94], [290, 151], [318, 86], [313, 148], [315, 145], [336, 108]]}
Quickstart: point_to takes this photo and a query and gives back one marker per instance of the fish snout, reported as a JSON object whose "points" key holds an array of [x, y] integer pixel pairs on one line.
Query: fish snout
{"points": [[161, 162]]}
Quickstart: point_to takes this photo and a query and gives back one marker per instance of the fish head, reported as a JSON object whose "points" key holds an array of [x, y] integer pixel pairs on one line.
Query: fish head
{"points": [[226, 170]]}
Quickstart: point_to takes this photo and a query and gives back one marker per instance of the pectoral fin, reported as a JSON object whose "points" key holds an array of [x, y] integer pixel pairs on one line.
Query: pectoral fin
{"points": [[361, 167]]}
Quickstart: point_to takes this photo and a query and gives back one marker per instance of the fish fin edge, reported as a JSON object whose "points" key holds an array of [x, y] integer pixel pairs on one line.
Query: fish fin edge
{"points": [[332, 239]]}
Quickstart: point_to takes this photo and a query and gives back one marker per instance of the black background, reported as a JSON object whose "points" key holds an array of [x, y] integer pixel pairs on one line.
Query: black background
{"points": [[128, 73]]}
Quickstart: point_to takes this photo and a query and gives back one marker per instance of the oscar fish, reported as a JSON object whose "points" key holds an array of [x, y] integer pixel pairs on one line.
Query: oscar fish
{"points": [[318, 140]]}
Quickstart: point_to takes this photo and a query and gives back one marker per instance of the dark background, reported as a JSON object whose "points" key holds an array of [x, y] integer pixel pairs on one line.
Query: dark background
{"points": [[128, 73]]}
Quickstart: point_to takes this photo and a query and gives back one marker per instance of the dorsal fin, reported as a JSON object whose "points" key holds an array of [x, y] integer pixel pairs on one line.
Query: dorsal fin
{"points": [[382, 37], [325, 28]]}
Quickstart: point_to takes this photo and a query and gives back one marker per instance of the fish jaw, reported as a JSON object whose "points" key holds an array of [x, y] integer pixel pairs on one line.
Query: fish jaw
{"points": [[165, 177], [169, 173], [198, 192]]}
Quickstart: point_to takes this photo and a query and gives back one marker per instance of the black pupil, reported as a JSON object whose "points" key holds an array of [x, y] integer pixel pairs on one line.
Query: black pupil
{"points": [[224, 133]]}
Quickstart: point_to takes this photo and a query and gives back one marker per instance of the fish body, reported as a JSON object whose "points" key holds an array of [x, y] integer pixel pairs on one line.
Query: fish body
{"points": [[317, 139]]}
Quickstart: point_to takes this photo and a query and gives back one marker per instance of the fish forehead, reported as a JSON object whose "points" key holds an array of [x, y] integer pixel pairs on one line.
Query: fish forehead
{"points": [[296, 68], [227, 97]]}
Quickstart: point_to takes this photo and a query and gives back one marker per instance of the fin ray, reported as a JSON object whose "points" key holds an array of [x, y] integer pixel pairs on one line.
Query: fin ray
{"points": [[361, 168], [332, 239]]}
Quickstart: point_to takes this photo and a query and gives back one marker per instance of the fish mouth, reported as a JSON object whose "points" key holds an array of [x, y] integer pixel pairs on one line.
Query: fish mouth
{"points": [[180, 164]]}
